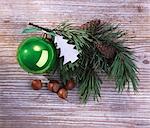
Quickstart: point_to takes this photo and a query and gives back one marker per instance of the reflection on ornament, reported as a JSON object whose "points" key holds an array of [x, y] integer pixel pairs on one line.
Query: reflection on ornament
{"points": [[36, 55]]}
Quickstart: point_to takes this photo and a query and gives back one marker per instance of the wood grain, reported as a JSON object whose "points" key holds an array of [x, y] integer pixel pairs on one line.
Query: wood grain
{"points": [[21, 107]]}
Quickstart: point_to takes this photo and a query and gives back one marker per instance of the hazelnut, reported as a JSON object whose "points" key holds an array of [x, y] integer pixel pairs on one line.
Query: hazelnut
{"points": [[56, 87], [62, 93], [53, 86], [70, 84], [36, 84], [50, 86]]}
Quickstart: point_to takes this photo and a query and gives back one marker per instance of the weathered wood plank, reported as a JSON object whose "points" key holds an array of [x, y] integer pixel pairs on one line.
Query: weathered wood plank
{"points": [[20, 106]]}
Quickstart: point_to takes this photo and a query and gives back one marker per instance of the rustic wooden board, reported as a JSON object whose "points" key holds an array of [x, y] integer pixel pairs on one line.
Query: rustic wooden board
{"points": [[21, 107]]}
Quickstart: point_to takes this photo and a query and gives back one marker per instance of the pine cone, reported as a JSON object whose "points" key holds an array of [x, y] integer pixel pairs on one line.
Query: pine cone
{"points": [[107, 50], [93, 27], [90, 24]]}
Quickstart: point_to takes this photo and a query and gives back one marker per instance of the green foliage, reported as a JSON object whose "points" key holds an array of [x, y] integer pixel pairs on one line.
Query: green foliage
{"points": [[89, 85], [87, 77], [84, 70], [77, 37], [124, 71], [122, 68]]}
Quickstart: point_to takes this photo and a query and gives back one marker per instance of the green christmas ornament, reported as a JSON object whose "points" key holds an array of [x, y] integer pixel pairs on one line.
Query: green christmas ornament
{"points": [[36, 55]]}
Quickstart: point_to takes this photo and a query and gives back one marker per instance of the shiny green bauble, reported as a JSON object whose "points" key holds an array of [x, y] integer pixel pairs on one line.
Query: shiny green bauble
{"points": [[36, 55]]}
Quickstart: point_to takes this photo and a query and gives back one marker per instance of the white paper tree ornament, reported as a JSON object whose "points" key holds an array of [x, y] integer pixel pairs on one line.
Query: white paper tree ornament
{"points": [[66, 50]]}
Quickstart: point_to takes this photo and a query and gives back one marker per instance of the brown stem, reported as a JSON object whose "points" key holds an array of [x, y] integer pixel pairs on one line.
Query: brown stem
{"points": [[45, 29]]}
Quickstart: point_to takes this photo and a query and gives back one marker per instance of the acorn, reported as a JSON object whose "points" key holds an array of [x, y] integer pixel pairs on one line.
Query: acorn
{"points": [[53, 86], [70, 84], [36, 84], [62, 93]]}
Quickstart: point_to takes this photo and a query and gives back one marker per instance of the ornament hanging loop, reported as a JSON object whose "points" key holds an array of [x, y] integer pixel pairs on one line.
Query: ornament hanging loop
{"points": [[46, 37]]}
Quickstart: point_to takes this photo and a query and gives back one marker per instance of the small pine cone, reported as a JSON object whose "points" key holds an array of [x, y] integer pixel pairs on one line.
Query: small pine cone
{"points": [[107, 50], [90, 24]]}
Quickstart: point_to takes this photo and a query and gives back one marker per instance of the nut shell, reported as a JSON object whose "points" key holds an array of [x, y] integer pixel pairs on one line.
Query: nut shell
{"points": [[50, 86], [36, 84], [62, 93], [70, 84], [56, 87], [53, 86]]}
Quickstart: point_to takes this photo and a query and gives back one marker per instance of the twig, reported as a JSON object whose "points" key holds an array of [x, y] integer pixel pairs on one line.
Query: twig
{"points": [[45, 29]]}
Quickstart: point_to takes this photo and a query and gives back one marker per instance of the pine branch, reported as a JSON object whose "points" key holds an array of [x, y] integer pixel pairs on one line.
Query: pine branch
{"points": [[86, 74], [77, 37], [89, 85], [124, 71], [122, 66]]}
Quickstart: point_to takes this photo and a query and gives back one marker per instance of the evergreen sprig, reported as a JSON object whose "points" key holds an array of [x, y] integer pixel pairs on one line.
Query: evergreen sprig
{"points": [[74, 36], [122, 67], [124, 71], [87, 75]]}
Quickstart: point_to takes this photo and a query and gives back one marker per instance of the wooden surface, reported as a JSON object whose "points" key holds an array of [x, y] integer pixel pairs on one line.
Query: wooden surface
{"points": [[21, 107]]}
